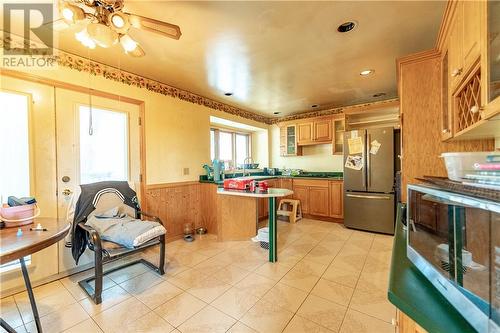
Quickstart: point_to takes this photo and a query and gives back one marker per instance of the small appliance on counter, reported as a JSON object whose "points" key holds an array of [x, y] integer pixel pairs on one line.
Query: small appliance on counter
{"points": [[218, 167], [453, 239]]}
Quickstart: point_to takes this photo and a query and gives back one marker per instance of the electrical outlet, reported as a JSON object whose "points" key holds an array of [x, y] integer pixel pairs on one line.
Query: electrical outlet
{"points": [[185, 171]]}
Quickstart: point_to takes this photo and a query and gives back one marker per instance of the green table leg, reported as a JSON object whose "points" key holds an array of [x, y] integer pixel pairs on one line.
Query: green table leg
{"points": [[273, 231]]}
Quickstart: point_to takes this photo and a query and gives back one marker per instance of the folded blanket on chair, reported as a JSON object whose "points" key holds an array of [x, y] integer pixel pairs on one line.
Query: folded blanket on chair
{"points": [[123, 229]]}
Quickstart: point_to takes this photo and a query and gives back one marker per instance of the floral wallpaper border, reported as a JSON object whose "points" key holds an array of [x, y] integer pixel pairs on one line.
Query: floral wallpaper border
{"points": [[111, 73], [327, 112]]}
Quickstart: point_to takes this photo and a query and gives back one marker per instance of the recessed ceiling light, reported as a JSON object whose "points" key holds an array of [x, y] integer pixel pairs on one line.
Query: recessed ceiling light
{"points": [[380, 94], [228, 94], [346, 26], [314, 105], [277, 112], [367, 72]]}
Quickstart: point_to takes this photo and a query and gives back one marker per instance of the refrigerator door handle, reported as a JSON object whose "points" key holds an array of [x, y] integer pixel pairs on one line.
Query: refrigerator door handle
{"points": [[368, 197], [368, 170]]}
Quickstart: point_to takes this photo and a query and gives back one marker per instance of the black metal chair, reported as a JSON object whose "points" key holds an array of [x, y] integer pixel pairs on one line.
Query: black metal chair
{"points": [[106, 252]]}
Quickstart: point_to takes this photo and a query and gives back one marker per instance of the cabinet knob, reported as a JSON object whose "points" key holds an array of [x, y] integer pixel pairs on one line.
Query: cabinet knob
{"points": [[446, 130], [456, 72]]}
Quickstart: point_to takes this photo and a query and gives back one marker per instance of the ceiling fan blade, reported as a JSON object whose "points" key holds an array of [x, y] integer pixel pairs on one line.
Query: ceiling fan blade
{"points": [[155, 26], [57, 25]]}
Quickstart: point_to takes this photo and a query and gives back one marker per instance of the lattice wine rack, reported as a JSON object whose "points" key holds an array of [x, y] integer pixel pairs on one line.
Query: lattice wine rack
{"points": [[468, 102]]}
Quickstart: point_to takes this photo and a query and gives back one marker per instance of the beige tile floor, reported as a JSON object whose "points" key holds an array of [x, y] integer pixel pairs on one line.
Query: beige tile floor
{"points": [[328, 279]]}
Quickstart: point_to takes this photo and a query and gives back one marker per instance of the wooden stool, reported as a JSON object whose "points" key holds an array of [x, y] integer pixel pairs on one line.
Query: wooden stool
{"points": [[293, 215]]}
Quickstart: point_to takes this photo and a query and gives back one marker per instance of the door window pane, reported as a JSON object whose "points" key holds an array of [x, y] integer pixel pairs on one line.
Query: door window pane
{"points": [[14, 148], [212, 145], [14, 145], [225, 146], [241, 148], [103, 145]]}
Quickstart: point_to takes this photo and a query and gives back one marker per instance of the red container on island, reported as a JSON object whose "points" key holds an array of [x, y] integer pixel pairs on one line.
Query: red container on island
{"points": [[237, 184]]}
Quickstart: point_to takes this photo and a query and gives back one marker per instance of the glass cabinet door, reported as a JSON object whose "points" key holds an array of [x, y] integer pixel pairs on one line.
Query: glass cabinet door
{"points": [[494, 49], [291, 144]]}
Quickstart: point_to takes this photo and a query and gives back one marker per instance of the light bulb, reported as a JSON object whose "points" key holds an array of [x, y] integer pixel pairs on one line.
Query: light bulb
{"points": [[84, 38], [128, 43], [72, 13], [67, 14], [102, 35], [118, 21]]}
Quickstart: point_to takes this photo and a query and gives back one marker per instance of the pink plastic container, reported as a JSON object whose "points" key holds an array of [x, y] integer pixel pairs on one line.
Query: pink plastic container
{"points": [[18, 215]]}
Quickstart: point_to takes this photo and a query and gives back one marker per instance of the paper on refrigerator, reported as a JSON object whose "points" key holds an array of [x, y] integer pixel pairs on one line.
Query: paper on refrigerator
{"points": [[354, 162], [355, 145], [374, 147]]}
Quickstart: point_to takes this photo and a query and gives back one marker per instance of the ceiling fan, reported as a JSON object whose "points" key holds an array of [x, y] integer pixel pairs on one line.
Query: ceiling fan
{"points": [[104, 23]]}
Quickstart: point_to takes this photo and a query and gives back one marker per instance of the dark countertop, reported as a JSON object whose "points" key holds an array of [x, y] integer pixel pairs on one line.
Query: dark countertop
{"points": [[414, 295], [309, 175]]}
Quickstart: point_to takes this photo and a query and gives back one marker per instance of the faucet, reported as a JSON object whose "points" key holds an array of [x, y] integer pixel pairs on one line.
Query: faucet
{"points": [[247, 159]]}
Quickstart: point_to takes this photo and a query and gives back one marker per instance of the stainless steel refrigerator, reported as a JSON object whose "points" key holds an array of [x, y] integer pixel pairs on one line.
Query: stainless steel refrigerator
{"points": [[369, 192]]}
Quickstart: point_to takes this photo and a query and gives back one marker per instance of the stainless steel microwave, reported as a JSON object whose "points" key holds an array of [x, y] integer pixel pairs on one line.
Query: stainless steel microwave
{"points": [[454, 240]]}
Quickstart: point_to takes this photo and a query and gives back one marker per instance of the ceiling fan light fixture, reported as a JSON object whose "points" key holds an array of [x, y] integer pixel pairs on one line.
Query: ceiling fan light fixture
{"points": [[137, 52], [72, 13], [84, 38], [119, 22], [128, 43], [102, 35]]}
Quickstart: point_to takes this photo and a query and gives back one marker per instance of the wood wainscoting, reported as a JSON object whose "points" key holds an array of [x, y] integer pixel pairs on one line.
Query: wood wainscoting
{"points": [[179, 203], [198, 203]]}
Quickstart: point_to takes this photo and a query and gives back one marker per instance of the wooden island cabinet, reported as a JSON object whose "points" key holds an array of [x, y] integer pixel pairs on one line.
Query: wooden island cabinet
{"points": [[319, 198]]}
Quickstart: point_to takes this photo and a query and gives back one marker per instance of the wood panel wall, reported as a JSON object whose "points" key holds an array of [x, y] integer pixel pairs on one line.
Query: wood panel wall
{"points": [[419, 84], [179, 203]]}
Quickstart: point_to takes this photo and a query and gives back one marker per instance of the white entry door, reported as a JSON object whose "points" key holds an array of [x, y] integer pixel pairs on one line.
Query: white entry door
{"points": [[97, 139]]}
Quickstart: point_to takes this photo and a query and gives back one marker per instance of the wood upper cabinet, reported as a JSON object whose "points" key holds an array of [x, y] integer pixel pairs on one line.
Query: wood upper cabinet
{"points": [[314, 132], [471, 33], [288, 141], [318, 201], [464, 44], [446, 119], [302, 193], [322, 130], [455, 59], [305, 133], [338, 130], [336, 199]]}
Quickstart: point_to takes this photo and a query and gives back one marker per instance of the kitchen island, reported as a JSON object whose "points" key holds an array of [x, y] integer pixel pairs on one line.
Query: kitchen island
{"points": [[238, 218]]}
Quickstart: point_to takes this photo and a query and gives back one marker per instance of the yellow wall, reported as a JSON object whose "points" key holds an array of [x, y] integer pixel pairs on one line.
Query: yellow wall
{"points": [[177, 132], [260, 148], [314, 158]]}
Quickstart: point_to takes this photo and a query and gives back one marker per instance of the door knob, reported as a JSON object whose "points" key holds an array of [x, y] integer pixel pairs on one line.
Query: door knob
{"points": [[67, 192]]}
